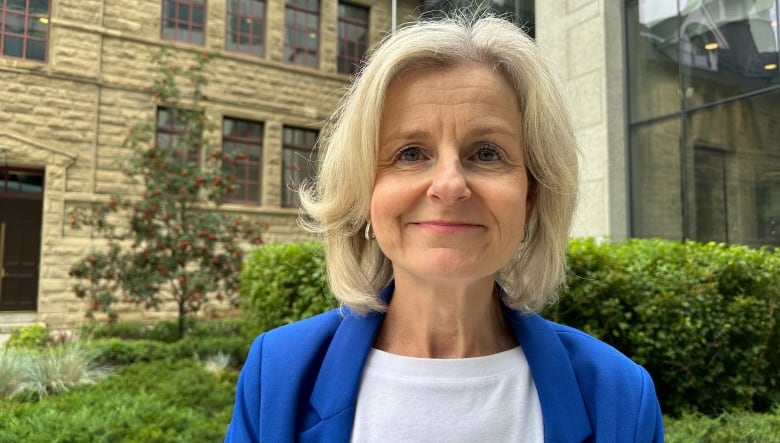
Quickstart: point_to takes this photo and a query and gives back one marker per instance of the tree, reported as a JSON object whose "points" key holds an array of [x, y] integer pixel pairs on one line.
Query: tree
{"points": [[170, 243]]}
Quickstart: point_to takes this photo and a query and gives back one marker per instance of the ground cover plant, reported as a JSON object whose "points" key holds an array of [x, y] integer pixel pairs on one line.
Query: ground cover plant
{"points": [[160, 401]]}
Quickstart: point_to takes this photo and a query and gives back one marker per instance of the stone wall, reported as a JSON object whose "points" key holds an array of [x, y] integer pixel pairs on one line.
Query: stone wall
{"points": [[69, 115]]}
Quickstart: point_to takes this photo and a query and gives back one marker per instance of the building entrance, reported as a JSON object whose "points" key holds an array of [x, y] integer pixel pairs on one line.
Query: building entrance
{"points": [[21, 211]]}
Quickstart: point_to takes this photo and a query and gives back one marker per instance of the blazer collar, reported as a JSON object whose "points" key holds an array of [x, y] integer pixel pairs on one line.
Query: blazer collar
{"points": [[563, 410]]}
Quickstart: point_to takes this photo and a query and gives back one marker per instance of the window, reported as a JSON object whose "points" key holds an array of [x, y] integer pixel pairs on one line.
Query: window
{"points": [[704, 101], [245, 26], [243, 140], [172, 135], [297, 162], [184, 20], [24, 28], [302, 29], [353, 37]]}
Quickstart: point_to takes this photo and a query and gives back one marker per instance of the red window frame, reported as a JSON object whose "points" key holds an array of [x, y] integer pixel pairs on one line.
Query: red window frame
{"points": [[298, 152], [352, 37], [179, 21], [245, 27], [168, 128], [244, 139], [28, 27], [302, 32]]}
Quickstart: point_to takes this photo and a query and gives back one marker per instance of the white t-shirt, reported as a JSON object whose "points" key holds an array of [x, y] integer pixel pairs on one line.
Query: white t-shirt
{"points": [[480, 399]]}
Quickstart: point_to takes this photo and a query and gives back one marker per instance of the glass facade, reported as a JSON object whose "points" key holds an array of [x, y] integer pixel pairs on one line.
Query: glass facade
{"points": [[521, 12], [704, 112]]}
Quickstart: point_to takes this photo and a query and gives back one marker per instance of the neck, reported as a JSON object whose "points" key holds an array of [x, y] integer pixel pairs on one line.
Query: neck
{"points": [[445, 321]]}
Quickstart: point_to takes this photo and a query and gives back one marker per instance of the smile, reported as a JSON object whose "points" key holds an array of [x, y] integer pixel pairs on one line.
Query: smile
{"points": [[447, 227]]}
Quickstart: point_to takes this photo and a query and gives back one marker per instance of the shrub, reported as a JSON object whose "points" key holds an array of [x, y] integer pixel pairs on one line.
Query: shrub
{"points": [[738, 427], [115, 351], [282, 283], [29, 337], [159, 401], [702, 318], [58, 369], [48, 371], [12, 366]]}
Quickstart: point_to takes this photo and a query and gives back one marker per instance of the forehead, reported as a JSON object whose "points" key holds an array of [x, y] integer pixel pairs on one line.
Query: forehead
{"points": [[469, 87]]}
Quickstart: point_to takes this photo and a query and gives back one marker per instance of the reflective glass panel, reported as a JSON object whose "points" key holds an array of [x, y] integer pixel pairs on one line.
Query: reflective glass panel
{"points": [[727, 48], [651, 47], [732, 155], [657, 206]]}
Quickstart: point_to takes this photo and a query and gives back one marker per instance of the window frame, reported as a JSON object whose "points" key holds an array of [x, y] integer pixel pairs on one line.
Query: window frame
{"points": [[25, 36], [291, 28], [289, 197], [237, 34], [351, 61], [175, 21], [249, 143]]}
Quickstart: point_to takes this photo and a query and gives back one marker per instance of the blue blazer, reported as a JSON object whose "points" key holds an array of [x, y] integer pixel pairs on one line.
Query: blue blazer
{"points": [[300, 382]]}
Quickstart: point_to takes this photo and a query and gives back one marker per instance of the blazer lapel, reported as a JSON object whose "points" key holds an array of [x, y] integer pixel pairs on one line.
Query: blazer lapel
{"points": [[335, 391], [563, 409]]}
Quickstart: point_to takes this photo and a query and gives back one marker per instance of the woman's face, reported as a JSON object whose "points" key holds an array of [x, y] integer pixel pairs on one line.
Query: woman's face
{"points": [[451, 196]]}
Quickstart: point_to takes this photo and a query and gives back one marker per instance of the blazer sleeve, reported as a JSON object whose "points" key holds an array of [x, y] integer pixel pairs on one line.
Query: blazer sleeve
{"points": [[245, 425], [650, 426]]}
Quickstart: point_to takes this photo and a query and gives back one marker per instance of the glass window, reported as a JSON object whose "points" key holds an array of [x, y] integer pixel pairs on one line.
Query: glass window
{"points": [[172, 135], [520, 12], [184, 20], [353, 37], [297, 162], [654, 75], [24, 28], [727, 48], [705, 120], [243, 141], [245, 26], [732, 171], [656, 180], [302, 33]]}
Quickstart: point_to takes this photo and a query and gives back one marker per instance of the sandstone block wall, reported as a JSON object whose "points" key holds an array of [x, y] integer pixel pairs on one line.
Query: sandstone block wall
{"points": [[69, 115]]}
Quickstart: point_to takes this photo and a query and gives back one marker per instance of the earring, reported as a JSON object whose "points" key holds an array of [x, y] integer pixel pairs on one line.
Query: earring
{"points": [[368, 234], [526, 237]]}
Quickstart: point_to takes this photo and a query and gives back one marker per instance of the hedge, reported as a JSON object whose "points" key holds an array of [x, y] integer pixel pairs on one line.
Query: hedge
{"points": [[282, 283], [702, 318]]}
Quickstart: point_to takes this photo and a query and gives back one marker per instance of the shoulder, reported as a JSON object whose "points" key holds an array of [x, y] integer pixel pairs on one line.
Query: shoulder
{"points": [[593, 356], [616, 390], [297, 340]]}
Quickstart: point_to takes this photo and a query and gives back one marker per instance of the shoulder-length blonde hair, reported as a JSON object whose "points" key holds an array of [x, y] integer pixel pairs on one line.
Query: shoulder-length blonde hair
{"points": [[336, 205]]}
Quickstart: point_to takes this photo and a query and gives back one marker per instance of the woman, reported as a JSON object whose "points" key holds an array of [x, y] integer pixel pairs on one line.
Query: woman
{"points": [[445, 197]]}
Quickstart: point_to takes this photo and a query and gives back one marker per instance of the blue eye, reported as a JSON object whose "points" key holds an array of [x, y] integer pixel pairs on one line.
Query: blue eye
{"points": [[487, 153], [409, 154]]}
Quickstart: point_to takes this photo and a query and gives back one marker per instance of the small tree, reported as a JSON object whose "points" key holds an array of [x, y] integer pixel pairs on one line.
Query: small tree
{"points": [[170, 243]]}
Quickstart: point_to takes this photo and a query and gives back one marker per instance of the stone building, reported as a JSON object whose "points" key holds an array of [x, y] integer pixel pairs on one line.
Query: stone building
{"points": [[73, 78], [676, 104]]}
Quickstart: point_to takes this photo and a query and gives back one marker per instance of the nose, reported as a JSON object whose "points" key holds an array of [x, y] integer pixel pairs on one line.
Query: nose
{"points": [[449, 184]]}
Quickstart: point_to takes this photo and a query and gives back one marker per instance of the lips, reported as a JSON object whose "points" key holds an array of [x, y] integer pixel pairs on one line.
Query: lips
{"points": [[447, 226]]}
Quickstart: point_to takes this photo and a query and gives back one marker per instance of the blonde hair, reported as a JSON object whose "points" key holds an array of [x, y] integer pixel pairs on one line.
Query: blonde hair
{"points": [[336, 205]]}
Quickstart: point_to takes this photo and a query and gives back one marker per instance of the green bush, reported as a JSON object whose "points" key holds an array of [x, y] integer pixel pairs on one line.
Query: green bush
{"points": [[739, 427], [164, 331], [29, 337], [115, 351], [160, 401], [702, 318], [282, 283]]}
